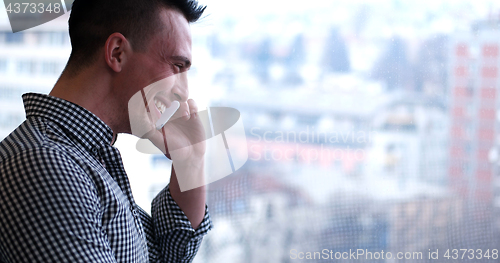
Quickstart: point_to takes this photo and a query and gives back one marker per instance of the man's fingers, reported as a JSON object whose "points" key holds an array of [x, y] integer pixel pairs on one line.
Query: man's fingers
{"points": [[193, 108], [182, 112], [186, 109]]}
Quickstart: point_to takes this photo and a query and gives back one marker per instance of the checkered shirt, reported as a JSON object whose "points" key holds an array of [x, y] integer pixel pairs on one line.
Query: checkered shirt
{"points": [[65, 196]]}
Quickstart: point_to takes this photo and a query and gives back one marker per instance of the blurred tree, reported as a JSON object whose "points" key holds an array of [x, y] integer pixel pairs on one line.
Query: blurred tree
{"points": [[262, 60], [361, 18], [215, 46], [336, 58], [393, 66], [294, 60], [431, 66]]}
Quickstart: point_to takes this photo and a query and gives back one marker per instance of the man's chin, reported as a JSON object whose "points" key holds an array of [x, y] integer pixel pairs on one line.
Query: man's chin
{"points": [[148, 135], [142, 128]]}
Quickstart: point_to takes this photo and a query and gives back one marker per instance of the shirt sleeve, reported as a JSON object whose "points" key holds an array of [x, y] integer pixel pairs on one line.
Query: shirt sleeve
{"points": [[49, 211], [171, 238]]}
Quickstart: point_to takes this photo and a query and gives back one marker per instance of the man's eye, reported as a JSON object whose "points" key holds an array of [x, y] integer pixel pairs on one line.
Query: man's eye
{"points": [[180, 66]]}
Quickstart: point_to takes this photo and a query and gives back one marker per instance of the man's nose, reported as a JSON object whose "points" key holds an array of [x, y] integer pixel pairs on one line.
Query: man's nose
{"points": [[180, 89]]}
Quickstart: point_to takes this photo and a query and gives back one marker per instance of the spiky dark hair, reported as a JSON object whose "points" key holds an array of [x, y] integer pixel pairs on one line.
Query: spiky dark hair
{"points": [[92, 21]]}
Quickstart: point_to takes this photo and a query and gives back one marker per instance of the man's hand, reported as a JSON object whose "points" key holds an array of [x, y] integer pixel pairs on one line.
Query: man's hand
{"points": [[182, 139], [183, 133]]}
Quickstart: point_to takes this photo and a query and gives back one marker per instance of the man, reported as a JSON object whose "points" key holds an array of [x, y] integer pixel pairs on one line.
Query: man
{"points": [[64, 195]]}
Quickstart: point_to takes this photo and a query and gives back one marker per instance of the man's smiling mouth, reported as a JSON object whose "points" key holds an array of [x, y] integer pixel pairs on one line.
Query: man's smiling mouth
{"points": [[160, 106]]}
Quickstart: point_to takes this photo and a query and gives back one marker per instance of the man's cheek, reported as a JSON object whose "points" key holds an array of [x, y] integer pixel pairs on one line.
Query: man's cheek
{"points": [[140, 123]]}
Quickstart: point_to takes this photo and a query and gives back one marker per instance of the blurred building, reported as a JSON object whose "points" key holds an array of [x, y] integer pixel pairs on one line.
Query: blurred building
{"points": [[409, 143], [474, 115], [420, 224], [473, 93], [30, 61]]}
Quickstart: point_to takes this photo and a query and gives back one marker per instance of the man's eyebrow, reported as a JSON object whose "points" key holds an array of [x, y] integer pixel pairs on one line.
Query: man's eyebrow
{"points": [[187, 62]]}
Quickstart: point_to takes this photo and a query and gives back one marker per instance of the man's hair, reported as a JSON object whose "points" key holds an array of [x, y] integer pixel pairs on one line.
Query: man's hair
{"points": [[92, 21]]}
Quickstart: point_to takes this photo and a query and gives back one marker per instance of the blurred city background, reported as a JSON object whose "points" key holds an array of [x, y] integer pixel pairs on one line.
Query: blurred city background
{"points": [[370, 125]]}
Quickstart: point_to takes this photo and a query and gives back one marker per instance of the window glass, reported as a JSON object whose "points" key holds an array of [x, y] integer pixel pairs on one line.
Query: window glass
{"points": [[371, 126]]}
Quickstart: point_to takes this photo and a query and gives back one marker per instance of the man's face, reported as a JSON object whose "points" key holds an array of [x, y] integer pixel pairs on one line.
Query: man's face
{"points": [[158, 76]]}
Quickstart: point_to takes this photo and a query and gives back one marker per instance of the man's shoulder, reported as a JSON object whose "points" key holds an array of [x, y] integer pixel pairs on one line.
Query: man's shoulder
{"points": [[34, 135], [40, 153]]}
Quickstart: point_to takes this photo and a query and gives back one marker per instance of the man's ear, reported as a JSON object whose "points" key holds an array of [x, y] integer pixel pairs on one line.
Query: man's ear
{"points": [[116, 50]]}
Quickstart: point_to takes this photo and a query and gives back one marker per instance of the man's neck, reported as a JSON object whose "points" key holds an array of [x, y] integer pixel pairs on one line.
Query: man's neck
{"points": [[92, 90]]}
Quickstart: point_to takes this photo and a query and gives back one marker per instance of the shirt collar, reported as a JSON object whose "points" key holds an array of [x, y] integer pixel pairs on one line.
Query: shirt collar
{"points": [[86, 127]]}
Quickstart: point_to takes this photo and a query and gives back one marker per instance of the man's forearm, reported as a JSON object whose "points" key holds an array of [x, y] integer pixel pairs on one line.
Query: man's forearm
{"points": [[192, 202]]}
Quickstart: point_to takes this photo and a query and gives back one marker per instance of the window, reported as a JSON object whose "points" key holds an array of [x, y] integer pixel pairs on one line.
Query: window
{"points": [[26, 67], [3, 65], [14, 38], [332, 76], [49, 67], [490, 51]]}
